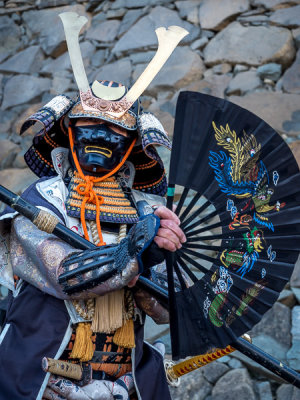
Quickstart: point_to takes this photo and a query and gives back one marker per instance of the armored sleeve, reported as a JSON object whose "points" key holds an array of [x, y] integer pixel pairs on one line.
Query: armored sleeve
{"points": [[37, 256]]}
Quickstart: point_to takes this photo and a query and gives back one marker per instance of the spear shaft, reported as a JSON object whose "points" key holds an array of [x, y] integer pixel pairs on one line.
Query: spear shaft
{"points": [[43, 219]]}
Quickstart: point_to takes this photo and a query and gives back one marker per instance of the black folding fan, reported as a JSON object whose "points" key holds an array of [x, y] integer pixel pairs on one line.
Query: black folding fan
{"points": [[239, 199]]}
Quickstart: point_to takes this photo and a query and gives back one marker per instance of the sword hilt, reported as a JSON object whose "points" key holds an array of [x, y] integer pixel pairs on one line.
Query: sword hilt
{"points": [[82, 373]]}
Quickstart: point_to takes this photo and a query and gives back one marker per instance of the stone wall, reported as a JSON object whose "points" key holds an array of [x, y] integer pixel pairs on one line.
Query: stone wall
{"points": [[244, 50]]}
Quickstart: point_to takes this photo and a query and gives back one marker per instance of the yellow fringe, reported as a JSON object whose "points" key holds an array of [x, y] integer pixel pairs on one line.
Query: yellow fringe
{"points": [[83, 347], [109, 312], [124, 336]]}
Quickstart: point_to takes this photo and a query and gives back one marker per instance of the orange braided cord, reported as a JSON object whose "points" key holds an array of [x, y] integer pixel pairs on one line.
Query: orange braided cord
{"points": [[106, 193], [86, 188], [109, 182], [108, 201], [196, 362], [108, 209]]}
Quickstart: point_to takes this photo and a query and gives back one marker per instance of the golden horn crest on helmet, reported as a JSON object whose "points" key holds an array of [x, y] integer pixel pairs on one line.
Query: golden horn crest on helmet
{"points": [[168, 39]]}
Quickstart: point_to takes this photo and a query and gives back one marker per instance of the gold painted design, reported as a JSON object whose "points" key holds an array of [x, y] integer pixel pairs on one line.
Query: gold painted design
{"points": [[100, 150], [243, 160]]}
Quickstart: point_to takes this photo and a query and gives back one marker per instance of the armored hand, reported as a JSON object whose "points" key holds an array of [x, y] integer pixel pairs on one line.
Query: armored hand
{"points": [[90, 268]]}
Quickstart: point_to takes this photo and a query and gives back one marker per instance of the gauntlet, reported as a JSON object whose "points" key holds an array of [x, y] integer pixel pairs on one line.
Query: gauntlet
{"points": [[90, 268]]}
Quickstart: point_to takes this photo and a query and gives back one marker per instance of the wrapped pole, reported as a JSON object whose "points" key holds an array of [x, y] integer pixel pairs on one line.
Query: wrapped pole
{"points": [[43, 220], [267, 361]]}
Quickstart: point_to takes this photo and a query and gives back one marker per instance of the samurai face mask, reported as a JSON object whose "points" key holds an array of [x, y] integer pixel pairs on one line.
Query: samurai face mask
{"points": [[99, 147]]}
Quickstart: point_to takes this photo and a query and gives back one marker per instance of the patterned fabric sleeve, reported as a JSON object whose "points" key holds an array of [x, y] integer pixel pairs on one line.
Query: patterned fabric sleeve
{"points": [[36, 256]]}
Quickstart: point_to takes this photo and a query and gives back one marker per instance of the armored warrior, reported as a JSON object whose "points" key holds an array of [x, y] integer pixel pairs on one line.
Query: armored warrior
{"points": [[100, 175]]}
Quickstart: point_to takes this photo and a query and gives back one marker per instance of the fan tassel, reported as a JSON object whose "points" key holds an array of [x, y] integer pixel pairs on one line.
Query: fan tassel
{"points": [[83, 348]]}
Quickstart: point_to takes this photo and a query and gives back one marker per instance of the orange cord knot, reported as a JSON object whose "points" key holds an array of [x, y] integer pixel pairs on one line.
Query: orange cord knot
{"points": [[86, 189]]}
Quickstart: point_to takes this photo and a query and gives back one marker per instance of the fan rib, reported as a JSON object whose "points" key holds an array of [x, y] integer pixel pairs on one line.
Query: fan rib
{"points": [[202, 246], [182, 200], [194, 253], [190, 206], [186, 269], [204, 229], [179, 275], [202, 220], [193, 262], [195, 214]]}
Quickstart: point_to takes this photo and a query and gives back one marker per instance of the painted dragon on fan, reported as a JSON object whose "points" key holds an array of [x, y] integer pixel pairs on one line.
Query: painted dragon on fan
{"points": [[242, 175], [241, 257]]}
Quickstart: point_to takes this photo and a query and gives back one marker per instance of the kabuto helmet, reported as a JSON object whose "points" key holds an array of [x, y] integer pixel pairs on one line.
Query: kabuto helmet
{"points": [[108, 101]]}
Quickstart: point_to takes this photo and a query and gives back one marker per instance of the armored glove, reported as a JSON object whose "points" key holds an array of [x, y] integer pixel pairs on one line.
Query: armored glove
{"points": [[60, 388], [90, 268]]}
